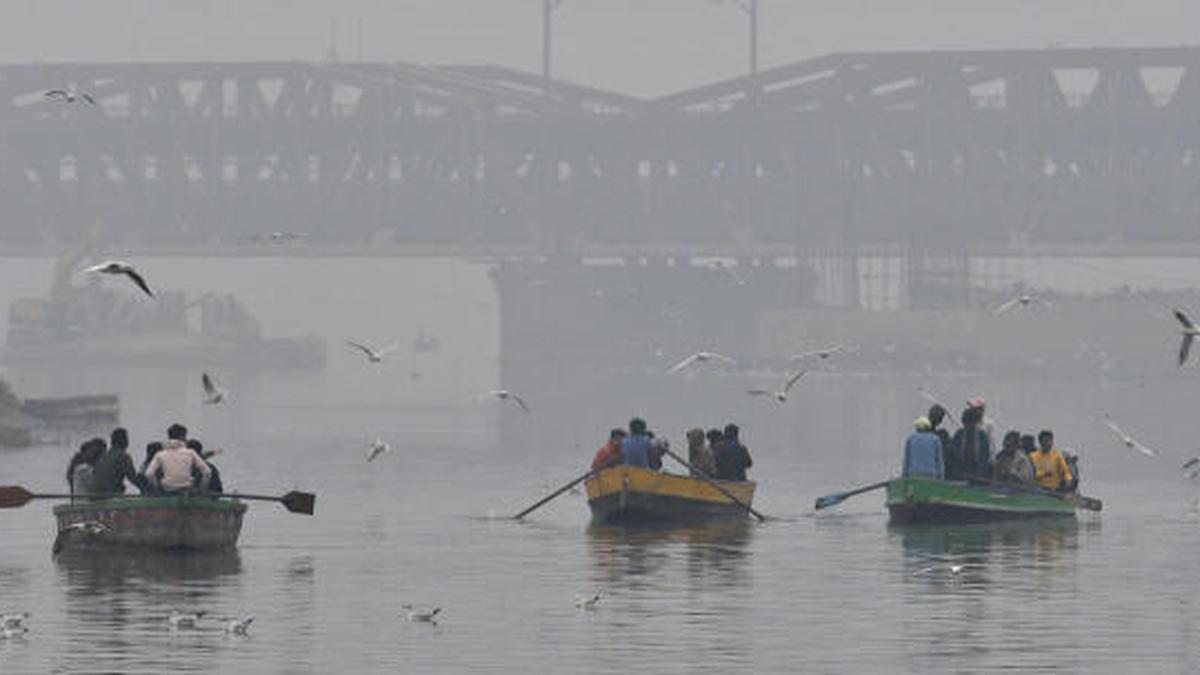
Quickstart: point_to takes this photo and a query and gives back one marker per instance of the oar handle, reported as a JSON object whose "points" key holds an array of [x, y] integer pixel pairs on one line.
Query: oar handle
{"points": [[720, 488], [552, 495], [839, 497]]}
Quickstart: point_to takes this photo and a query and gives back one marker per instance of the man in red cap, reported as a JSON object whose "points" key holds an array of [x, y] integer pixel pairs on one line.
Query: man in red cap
{"points": [[988, 426]]}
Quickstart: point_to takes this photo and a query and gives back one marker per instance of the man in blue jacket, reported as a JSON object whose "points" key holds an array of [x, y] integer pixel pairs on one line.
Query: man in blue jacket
{"points": [[923, 451], [635, 448]]}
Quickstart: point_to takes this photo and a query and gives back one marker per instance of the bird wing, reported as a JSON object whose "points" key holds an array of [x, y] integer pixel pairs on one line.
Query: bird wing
{"points": [[1191, 462], [207, 383], [684, 363], [1006, 306], [88, 98], [1115, 429], [760, 392], [1185, 347], [362, 348], [141, 283], [1187, 323], [520, 401], [55, 93], [1149, 452], [793, 380], [96, 268]]}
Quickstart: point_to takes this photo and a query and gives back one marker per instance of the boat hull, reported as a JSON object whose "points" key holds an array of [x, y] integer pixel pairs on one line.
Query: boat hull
{"points": [[163, 523], [927, 500], [632, 495]]}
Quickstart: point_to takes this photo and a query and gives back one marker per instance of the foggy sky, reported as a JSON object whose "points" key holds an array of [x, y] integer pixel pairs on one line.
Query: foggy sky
{"points": [[644, 47]]}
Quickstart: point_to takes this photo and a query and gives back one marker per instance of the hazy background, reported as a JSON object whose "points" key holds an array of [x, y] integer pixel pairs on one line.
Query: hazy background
{"points": [[637, 47]]}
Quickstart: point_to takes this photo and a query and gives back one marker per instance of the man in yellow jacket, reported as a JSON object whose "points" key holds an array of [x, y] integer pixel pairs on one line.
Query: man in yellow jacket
{"points": [[1049, 467]]}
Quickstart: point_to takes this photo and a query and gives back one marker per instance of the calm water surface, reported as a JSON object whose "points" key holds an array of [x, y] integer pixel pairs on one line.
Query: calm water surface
{"points": [[840, 591]]}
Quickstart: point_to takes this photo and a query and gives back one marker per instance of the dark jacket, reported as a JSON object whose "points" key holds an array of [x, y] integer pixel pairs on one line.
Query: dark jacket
{"points": [[970, 455], [113, 468], [732, 459]]}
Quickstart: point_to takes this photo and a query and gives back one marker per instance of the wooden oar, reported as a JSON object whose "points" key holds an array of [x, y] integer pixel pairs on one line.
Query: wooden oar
{"points": [[554, 494], [1076, 499], [720, 488], [839, 497], [12, 496]]}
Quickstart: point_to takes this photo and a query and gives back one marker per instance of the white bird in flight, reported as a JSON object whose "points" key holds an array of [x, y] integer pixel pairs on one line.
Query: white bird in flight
{"points": [[239, 626], [180, 620], [1128, 440], [373, 355], [1023, 300], [701, 357], [421, 615], [118, 267], [823, 353], [1189, 464], [506, 395], [69, 96], [587, 601], [377, 448], [781, 395], [1190, 331], [213, 394]]}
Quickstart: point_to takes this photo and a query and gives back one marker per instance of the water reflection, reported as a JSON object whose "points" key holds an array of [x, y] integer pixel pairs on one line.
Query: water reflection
{"points": [[713, 553], [1047, 544]]}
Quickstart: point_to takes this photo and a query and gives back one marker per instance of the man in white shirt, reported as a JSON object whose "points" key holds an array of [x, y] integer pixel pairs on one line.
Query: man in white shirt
{"points": [[171, 467]]}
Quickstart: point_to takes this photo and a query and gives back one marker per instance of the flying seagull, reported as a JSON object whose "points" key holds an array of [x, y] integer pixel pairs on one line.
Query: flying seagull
{"points": [[1190, 331], [377, 448], [506, 395], [823, 353], [213, 394], [373, 355], [1189, 464], [1128, 440], [701, 357], [1023, 300], [587, 601], [413, 614], [118, 267], [69, 96], [781, 395], [239, 626], [179, 620]]}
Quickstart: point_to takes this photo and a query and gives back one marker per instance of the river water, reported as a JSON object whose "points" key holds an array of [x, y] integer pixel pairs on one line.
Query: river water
{"points": [[835, 591]]}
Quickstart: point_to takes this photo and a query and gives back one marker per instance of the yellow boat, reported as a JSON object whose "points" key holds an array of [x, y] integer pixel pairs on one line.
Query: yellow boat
{"points": [[629, 494]]}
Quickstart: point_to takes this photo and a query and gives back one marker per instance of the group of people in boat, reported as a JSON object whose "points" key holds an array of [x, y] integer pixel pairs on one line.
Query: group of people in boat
{"points": [[967, 455], [717, 453], [178, 464]]}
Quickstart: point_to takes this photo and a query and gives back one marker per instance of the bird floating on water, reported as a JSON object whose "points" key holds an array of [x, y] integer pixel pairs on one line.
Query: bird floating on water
{"points": [[373, 355], [952, 570], [421, 615], [377, 448], [182, 620], [702, 357], [239, 626], [13, 625], [1190, 331], [506, 395], [119, 267], [587, 601], [1023, 300], [1128, 441], [213, 394], [781, 395], [88, 526], [69, 96]]}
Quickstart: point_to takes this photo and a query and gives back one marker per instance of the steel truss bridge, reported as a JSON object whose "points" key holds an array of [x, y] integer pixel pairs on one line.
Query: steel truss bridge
{"points": [[937, 151]]}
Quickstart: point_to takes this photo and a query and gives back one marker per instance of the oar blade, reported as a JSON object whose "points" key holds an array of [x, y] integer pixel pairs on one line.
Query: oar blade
{"points": [[299, 502], [830, 500], [12, 496]]}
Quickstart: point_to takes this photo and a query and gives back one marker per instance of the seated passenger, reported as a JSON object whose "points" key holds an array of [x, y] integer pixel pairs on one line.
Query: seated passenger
{"points": [[923, 451], [609, 454], [1072, 464], [171, 468], [970, 453], [214, 482], [658, 448], [116, 466], [731, 457], [1050, 468], [1012, 466], [699, 453], [635, 448], [82, 470]]}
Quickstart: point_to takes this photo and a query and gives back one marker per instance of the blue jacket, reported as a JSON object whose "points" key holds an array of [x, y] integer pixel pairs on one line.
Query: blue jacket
{"points": [[923, 455], [636, 450]]}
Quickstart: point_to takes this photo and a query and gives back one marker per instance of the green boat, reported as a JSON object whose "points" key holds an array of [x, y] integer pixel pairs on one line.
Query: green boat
{"points": [[929, 500], [135, 522]]}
